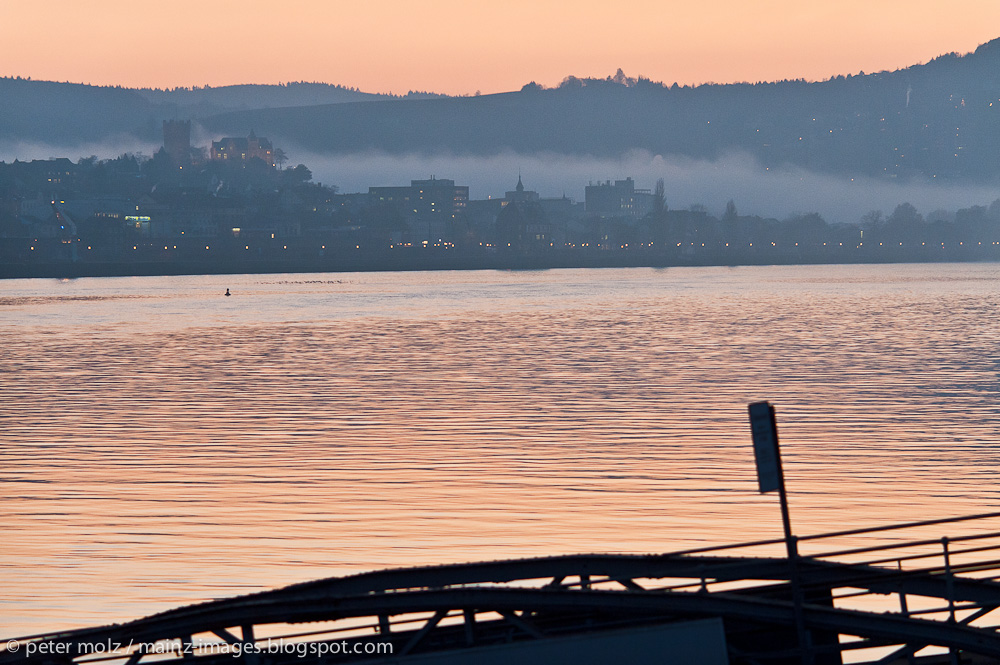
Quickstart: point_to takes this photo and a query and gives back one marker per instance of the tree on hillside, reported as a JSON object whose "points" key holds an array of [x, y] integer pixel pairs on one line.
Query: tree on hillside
{"points": [[905, 216], [280, 158], [298, 175], [730, 215], [873, 220]]}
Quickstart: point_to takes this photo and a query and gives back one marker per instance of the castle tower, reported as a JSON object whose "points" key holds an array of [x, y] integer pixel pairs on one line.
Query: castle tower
{"points": [[177, 140]]}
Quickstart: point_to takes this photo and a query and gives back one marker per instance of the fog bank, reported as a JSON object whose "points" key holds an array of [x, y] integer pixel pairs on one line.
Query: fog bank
{"points": [[754, 189]]}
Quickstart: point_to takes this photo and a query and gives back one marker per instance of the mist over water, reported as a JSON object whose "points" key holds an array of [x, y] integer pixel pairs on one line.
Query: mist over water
{"points": [[756, 189]]}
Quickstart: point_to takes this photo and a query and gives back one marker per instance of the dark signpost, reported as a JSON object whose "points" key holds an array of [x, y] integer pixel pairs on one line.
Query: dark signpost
{"points": [[767, 454]]}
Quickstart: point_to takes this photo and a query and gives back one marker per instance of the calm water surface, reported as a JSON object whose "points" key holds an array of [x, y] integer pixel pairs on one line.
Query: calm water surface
{"points": [[162, 444]]}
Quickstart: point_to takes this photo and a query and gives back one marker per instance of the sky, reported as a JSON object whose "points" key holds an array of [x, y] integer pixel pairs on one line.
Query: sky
{"points": [[460, 47]]}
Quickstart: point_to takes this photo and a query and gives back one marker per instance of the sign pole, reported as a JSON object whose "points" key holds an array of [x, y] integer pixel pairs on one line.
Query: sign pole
{"points": [[770, 477]]}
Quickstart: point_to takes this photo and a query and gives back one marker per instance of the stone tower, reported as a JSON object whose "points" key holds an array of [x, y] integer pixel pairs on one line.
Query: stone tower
{"points": [[177, 140]]}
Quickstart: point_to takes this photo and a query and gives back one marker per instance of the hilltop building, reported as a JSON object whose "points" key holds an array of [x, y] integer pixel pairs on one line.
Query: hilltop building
{"points": [[177, 140], [51, 176], [238, 150]]}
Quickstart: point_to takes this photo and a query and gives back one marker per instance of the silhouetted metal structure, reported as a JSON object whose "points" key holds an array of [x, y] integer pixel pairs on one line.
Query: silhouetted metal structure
{"points": [[904, 596]]}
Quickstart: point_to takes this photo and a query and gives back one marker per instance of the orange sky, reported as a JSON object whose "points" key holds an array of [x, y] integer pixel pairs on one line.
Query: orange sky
{"points": [[456, 46]]}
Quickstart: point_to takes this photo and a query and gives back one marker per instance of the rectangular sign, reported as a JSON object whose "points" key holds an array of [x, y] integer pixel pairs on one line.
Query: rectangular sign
{"points": [[765, 446]]}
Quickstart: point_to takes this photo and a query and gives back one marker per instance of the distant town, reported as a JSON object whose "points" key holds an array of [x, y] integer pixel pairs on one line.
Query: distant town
{"points": [[236, 206]]}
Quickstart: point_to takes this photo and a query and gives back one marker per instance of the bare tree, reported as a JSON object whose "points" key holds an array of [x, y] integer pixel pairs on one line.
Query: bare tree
{"points": [[874, 220]]}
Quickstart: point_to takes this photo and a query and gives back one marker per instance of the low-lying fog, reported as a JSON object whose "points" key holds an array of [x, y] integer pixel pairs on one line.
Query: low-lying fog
{"points": [[754, 189], [777, 192]]}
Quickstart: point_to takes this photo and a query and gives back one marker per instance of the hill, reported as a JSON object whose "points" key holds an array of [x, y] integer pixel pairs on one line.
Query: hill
{"points": [[940, 120], [937, 120], [209, 100], [70, 114]]}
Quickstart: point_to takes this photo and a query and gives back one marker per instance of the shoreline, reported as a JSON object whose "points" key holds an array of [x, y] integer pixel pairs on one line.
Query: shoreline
{"points": [[80, 269]]}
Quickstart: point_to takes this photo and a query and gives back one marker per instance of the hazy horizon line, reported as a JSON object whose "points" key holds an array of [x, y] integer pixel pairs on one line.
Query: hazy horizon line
{"points": [[413, 91]]}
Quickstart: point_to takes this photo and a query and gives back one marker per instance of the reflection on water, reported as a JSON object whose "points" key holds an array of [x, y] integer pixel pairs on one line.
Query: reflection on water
{"points": [[163, 444]]}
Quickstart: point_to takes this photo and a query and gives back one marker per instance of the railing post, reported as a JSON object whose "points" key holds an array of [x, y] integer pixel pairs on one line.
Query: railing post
{"points": [[948, 580], [950, 589], [798, 599], [903, 608], [470, 626]]}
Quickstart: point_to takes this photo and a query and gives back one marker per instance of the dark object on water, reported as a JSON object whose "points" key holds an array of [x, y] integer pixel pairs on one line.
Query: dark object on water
{"points": [[228, 293]]}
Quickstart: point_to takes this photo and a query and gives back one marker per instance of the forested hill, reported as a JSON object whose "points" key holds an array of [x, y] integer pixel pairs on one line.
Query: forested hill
{"points": [[940, 119], [206, 100], [68, 114]]}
